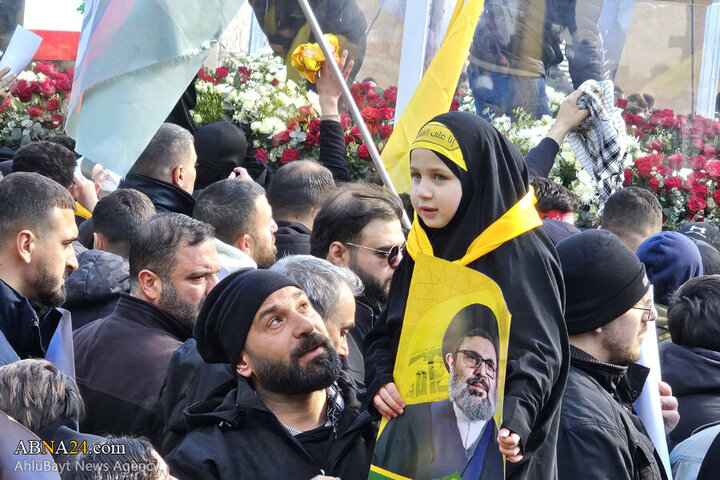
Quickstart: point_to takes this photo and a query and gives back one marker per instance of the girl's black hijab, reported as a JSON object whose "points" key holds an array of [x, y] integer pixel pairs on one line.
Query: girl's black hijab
{"points": [[495, 180]]}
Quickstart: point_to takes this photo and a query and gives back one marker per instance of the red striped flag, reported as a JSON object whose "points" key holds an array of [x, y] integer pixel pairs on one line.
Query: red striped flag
{"points": [[58, 22]]}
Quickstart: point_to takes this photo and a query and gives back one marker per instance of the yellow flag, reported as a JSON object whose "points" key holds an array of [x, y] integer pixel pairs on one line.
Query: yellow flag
{"points": [[435, 93]]}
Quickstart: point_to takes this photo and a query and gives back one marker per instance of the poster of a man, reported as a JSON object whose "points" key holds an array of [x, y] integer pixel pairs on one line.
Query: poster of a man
{"points": [[456, 437]]}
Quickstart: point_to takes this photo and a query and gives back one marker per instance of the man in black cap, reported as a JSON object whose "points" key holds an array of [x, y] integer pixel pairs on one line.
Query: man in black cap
{"points": [[456, 435], [608, 304], [290, 413]]}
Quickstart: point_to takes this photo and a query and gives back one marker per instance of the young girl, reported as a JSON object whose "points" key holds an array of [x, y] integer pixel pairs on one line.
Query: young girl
{"points": [[466, 176]]}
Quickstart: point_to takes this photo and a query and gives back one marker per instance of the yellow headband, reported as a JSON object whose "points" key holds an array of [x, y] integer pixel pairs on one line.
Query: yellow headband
{"points": [[437, 137]]}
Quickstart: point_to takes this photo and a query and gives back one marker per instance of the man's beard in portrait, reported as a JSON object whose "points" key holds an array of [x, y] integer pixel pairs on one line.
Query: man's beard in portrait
{"points": [[468, 402], [170, 301], [289, 377]]}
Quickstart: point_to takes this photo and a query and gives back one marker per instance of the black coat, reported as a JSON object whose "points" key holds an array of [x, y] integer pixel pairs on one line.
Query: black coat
{"points": [[165, 196], [235, 437], [121, 363], [292, 238], [94, 288], [20, 327], [600, 436], [694, 375]]}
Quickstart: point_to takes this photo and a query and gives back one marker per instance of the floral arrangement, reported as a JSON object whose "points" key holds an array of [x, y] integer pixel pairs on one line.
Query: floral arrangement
{"points": [[36, 106]]}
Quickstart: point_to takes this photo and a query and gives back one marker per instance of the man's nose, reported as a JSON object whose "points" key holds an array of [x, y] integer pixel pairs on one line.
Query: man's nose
{"points": [[71, 264]]}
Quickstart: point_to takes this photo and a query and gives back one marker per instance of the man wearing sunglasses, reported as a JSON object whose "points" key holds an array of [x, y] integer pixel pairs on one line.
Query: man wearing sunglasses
{"points": [[608, 305], [457, 435]]}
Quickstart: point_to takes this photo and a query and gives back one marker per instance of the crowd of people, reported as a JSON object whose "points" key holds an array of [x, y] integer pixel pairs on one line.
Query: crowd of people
{"points": [[233, 322]]}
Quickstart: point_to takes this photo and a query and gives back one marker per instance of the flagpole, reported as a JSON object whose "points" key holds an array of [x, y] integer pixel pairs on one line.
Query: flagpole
{"points": [[354, 111]]}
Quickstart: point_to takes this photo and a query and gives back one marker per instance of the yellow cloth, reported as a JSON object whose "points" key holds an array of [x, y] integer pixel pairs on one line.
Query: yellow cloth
{"points": [[521, 218], [435, 92], [308, 57], [81, 211], [437, 137]]}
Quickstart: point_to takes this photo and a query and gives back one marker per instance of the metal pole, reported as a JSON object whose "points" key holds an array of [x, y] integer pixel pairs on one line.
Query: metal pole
{"points": [[354, 111]]}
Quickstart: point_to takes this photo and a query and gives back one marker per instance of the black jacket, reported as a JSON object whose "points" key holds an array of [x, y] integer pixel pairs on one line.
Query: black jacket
{"points": [[694, 375], [27, 335], [601, 437], [333, 154], [121, 363], [165, 196], [292, 238], [94, 288], [235, 437]]}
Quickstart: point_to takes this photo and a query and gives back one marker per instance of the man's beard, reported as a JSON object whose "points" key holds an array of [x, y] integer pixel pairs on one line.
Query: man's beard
{"points": [[289, 377], [184, 312], [374, 291], [469, 403], [49, 293], [265, 257]]}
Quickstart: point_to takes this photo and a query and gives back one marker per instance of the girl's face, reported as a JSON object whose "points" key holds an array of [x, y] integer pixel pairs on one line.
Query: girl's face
{"points": [[436, 191]]}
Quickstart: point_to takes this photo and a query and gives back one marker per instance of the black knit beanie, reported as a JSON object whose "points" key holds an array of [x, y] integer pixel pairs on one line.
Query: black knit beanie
{"points": [[229, 310], [603, 279]]}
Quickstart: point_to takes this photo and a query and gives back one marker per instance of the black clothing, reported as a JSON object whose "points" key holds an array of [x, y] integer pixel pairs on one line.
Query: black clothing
{"points": [[189, 380], [64, 431], [94, 288], [710, 468], [165, 196], [600, 435], [180, 114], [292, 238], [333, 155], [541, 159], [121, 363], [28, 336], [527, 271], [694, 375], [235, 437]]}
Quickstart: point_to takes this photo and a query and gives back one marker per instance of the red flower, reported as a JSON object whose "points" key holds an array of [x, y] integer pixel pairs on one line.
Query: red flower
{"points": [[708, 151], [274, 82], [290, 155], [697, 162], [22, 90], [44, 68], [349, 139], [384, 114], [622, 103], [654, 118], [368, 114], [61, 82], [52, 105], [5, 104], [716, 197], [359, 101], [697, 143], [314, 126], [261, 154], [57, 120], [222, 72], [306, 110], [685, 132], [638, 134], [700, 189], [663, 170], [292, 123], [311, 140], [667, 122], [282, 137], [631, 119], [390, 94], [644, 167], [363, 152], [385, 131], [655, 145], [654, 186], [673, 182], [46, 87], [346, 120], [628, 177], [694, 178], [373, 99], [35, 112], [696, 204], [713, 169], [454, 105], [355, 132], [676, 162]]}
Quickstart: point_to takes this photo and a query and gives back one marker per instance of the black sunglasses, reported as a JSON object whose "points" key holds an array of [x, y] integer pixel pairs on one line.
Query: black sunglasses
{"points": [[392, 253]]}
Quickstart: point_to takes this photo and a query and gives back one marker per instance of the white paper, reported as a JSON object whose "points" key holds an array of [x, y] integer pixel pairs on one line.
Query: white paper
{"points": [[648, 405], [21, 49]]}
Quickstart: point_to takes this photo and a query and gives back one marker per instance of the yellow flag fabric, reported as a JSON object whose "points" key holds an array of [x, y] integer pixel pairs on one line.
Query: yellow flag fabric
{"points": [[82, 211], [435, 92], [521, 218]]}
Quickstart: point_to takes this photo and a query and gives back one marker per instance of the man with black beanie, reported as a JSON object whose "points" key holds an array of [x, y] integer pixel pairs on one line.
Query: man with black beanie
{"points": [[608, 304], [290, 412]]}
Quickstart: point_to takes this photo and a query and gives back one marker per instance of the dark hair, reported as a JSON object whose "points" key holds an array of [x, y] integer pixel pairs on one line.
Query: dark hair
{"points": [[49, 159], [169, 148], [156, 242], [36, 394], [694, 313], [348, 211], [632, 210], [63, 140], [553, 196], [117, 217], [27, 200], [119, 458], [298, 188], [229, 206]]}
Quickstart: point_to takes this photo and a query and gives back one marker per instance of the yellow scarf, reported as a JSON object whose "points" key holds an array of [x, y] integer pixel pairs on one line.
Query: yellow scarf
{"points": [[521, 218], [82, 211]]}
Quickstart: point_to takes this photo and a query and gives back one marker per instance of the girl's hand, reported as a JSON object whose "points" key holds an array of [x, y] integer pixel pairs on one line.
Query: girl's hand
{"points": [[388, 401], [509, 445]]}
